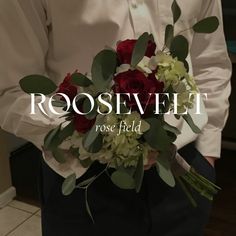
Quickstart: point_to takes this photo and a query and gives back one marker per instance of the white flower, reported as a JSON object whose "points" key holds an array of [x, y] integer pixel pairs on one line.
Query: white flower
{"points": [[123, 68], [143, 65]]}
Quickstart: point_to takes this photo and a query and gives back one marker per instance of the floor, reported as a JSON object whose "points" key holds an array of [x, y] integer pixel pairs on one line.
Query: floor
{"points": [[20, 219]]}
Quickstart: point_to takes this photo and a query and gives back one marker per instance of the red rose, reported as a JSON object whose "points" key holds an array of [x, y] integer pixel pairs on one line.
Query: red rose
{"points": [[67, 88], [136, 82], [125, 50], [82, 124]]}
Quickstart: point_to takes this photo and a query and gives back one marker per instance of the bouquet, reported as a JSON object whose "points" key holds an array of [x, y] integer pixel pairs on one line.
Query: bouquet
{"points": [[115, 113]]}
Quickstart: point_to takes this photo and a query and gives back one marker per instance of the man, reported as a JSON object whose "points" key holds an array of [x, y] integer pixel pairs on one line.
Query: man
{"points": [[55, 37]]}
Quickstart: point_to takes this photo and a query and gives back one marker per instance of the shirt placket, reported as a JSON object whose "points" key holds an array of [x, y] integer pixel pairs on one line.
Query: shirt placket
{"points": [[139, 16]]}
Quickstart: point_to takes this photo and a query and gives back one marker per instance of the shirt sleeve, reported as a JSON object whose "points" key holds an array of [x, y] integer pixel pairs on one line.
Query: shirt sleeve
{"points": [[212, 70], [23, 47]]}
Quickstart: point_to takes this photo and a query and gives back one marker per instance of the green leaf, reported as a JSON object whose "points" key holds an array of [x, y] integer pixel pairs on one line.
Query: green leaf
{"points": [[172, 136], [103, 69], [96, 145], [179, 47], [138, 175], [74, 152], [140, 49], [51, 140], [80, 80], [86, 182], [156, 136], [59, 103], [86, 163], [122, 180], [69, 185], [58, 154], [171, 128], [67, 131], [164, 170], [176, 11], [93, 140], [169, 35], [87, 107], [190, 122], [186, 65], [207, 25], [37, 84]]}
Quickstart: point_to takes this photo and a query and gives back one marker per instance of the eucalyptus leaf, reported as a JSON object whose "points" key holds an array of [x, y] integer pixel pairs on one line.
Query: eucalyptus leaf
{"points": [[171, 128], [190, 122], [92, 141], [186, 65], [86, 182], [123, 180], [58, 154], [164, 170], [69, 185], [207, 25], [103, 68], [59, 103], [156, 136], [176, 11], [140, 49], [80, 80], [96, 145], [169, 35], [87, 107], [179, 47], [67, 131], [51, 140], [138, 175], [86, 163], [37, 84]]}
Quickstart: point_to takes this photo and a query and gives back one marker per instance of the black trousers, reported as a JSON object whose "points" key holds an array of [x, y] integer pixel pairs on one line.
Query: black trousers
{"points": [[157, 210]]}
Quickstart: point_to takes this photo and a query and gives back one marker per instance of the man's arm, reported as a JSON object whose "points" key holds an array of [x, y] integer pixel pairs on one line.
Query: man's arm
{"points": [[23, 47], [212, 70]]}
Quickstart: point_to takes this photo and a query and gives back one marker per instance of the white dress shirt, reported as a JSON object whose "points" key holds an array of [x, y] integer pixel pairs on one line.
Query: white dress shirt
{"points": [[55, 37]]}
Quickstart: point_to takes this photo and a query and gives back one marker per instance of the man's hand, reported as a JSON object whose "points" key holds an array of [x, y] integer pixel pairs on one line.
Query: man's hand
{"points": [[152, 155], [211, 160]]}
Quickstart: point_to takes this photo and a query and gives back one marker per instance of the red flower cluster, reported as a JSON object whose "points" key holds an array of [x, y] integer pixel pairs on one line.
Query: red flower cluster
{"points": [[82, 124], [125, 49], [68, 88], [134, 81]]}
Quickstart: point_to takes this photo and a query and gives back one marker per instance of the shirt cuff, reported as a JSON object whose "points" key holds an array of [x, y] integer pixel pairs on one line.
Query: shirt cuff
{"points": [[208, 143]]}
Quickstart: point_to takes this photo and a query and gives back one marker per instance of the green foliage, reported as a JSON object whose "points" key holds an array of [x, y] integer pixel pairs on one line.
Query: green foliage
{"points": [[140, 49], [156, 136], [171, 128], [93, 140], [52, 140], [207, 25], [179, 47], [163, 167], [103, 68], [169, 35], [37, 84], [58, 154], [80, 80], [176, 11], [122, 179], [190, 122], [69, 185], [59, 103]]}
